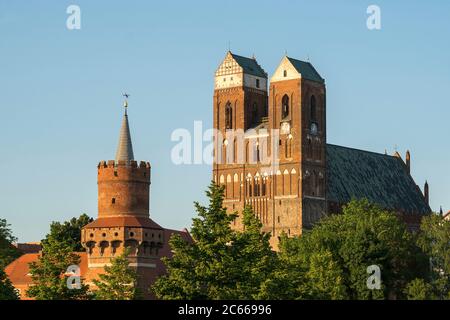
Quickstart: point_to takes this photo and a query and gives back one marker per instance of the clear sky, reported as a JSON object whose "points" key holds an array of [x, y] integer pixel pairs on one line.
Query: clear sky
{"points": [[61, 90]]}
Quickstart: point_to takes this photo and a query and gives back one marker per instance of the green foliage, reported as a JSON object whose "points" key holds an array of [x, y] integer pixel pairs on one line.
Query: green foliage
{"points": [[331, 261], [418, 289], [49, 273], [68, 232], [118, 282], [434, 240], [7, 291], [220, 263], [8, 252]]}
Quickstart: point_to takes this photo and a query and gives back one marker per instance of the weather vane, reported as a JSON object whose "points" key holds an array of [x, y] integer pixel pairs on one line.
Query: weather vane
{"points": [[125, 103]]}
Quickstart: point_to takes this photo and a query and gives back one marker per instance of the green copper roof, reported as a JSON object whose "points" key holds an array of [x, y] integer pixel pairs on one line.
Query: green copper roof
{"points": [[380, 178], [250, 66], [307, 70]]}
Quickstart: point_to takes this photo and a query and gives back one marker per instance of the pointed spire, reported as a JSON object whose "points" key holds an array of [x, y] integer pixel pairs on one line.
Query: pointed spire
{"points": [[426, 192], [408, 161], [125, 147]]}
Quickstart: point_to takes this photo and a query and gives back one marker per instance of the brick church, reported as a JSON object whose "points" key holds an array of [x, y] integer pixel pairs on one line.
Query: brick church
{"points": [[305, 178]]}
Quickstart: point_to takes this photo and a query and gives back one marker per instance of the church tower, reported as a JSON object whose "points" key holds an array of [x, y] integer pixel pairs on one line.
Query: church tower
{"points": [[297, 107], [240, 105], [123, 214], [240, 93], [289, 194]]}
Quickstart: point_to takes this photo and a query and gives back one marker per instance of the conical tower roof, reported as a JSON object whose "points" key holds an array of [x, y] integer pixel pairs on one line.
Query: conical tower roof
{"points": [[125, 147]]}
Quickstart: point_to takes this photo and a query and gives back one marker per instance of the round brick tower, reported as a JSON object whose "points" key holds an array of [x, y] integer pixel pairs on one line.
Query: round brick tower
{"points": [[123, 214]]}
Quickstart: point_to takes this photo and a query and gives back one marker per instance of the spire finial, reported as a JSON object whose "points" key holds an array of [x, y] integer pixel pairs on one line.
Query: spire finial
{"points": [[125, 103], [125, 147]]}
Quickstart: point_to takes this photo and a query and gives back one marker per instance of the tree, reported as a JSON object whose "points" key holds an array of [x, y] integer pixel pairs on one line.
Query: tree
{"points": [[49, 273], [418, 289], [434, 240], [7, 291], [304, 275], [118, 282], [220, 263], [254, 258], [330, 261], [8, 252], [69, 232]]}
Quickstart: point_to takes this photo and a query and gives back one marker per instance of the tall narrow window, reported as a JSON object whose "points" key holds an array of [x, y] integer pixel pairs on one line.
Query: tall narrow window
{"points": [[255, 113], [257, 152], [284, 73], [313, 108], [257, 83], [228, 116], [286, 149], [309, 149], [284, 106]]}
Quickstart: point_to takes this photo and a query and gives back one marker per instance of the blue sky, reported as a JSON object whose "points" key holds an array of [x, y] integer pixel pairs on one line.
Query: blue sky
{"points": [[61, 90]]}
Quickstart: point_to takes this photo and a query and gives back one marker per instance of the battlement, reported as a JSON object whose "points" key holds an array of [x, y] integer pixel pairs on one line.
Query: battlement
{"points": [[124, 170], [123, 163]]}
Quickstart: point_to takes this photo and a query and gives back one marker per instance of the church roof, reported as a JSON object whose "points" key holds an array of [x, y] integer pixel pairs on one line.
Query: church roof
{"points": [[125, 148], [380, 178], [306, 70], [249, 65]]}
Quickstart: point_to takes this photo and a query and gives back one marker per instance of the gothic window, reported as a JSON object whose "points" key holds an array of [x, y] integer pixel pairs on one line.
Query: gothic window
{"points": [[309, 149], [286, 149], [235, 151], [290, 147], [247, 153], [228, 116], [313, 108], [284, 106]]}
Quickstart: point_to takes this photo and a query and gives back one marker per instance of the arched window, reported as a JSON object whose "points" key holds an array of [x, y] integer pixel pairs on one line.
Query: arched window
{"points": [[284, 106], [284, 73], [228, 116], [313, 108]]}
